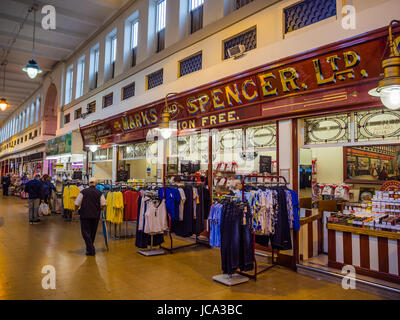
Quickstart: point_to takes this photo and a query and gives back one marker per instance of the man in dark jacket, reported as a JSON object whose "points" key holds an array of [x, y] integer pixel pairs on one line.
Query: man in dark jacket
{"points": [[47, 187], [5, 181], [90, 201], [34, 189]]}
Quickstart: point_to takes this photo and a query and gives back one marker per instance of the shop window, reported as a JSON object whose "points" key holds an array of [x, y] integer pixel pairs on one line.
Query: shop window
{"points": [[91, 107], [308, 12], [108, 100], [68, 84], [247, 38], [134, 40], [196, 15], [323, 130], [78, 113], [191, 64], [377, 125], [67, 118], [155, 79], [261, 136], [241, 3], [128, 91], [161, 23]]}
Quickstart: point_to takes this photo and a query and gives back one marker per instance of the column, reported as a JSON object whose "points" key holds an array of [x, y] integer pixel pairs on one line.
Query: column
{"points": [[114, 164]]}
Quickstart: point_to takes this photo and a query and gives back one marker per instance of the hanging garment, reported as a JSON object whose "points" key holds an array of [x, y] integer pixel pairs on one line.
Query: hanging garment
{"points": [[237, 250], [281, 239], [130, 205], [182, 203], [156, 217], [215, 223], [142, 239], [172, 200], [115, 207]]}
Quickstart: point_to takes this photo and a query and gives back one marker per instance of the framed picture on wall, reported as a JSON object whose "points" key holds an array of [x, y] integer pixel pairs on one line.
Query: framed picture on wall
{"points": [[372, 164]]}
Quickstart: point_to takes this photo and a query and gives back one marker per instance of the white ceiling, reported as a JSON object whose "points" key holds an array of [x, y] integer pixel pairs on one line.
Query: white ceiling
{"points": [[76, 21]]}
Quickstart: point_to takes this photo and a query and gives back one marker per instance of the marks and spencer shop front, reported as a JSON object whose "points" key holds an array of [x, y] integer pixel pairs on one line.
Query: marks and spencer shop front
{"points": [[308, 118]]}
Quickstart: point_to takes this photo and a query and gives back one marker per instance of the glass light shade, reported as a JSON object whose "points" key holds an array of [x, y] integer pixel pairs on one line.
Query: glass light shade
{"points": [[166, 133], [390, 97], [3, 104], [32, 69], [93, 148]]}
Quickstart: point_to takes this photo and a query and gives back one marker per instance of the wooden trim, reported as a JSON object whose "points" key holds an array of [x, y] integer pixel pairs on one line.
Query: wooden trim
{"points": [[307, 220], [367, 272], [364, 251], [295, 156], [320, 236], [362, 231], [398, 255], [331, 245], [310, 239], [347, 248], [383, 255], [277, 147]]}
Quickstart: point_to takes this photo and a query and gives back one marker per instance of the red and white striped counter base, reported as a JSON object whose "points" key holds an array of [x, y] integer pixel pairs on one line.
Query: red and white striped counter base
{"points": [[373, 253]]}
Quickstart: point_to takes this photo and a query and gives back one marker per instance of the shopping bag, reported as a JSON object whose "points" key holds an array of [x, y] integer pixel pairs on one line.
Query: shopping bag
{"points": [[43, 209]]}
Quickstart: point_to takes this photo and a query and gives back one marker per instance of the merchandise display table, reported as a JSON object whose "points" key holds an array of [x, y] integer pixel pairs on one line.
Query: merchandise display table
{"points": [[374, 253]]}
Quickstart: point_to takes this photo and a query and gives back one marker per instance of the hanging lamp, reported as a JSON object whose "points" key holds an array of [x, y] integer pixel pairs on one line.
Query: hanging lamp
{"points": [[3, 101], [388, 89], [165, 128], [32, 68]]}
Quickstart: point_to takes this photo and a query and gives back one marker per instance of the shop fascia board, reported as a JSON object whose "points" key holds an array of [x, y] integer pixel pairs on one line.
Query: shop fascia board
{"points": [[64, 155], [189, 41], [40, 147]]}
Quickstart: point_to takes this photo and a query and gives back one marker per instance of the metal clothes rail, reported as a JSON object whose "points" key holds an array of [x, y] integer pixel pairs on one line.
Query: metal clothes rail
{"points": [[274, 262], [197, 242]]}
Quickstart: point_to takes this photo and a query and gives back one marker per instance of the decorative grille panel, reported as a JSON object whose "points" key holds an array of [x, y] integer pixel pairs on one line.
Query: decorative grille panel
{"points": [[191, 64], [155, 79], [128, 91], [308, 12], [248, 39], [323, 130]]}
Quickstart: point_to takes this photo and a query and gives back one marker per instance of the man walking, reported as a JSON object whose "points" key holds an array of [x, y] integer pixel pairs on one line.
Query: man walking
{"points": [[34, 189], [5, 181], [90, 201]]}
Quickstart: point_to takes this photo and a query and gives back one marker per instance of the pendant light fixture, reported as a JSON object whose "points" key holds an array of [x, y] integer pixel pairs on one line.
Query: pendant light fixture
{"points": [[3, 101], [388, 89], [165, 128], [32, 68]]}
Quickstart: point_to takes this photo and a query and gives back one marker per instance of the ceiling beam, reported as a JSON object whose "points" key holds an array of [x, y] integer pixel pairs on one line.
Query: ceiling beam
{"points": [[70, 14], [15, 88], [46, 43], [104, 4], [47, 55], [26, 83], [61, 31], [21, 76]]}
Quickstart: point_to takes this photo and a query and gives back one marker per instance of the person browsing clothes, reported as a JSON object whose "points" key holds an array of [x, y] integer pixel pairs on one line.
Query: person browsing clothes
{"points": [[90, 202], [34, 190]]}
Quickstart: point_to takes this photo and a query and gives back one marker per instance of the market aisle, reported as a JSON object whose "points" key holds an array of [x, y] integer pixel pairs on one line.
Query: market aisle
{"points": [[121, 273]]}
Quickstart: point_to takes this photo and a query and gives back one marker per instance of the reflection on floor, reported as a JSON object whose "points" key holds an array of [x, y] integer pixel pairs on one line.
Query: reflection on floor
{"points": [[321, 262], [122, 273]]}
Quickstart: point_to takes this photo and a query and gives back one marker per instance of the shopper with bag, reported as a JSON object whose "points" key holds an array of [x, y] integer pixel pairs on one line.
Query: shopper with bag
{"points": [[5, 181], [34, 189], [90, 202]]}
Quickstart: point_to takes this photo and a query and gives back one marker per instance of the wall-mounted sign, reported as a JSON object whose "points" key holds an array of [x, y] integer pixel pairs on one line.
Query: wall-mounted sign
{"points": [[259, 92], [59, 145]]}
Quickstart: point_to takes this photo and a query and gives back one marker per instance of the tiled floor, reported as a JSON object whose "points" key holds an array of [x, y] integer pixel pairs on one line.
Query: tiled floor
{"points": [[122, 273]]}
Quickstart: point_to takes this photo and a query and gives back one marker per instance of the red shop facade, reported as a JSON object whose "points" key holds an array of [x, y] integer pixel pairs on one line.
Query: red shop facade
{"points": [[331, 79]]}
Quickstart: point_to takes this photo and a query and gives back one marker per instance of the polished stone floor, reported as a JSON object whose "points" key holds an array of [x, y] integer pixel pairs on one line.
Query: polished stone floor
{"points": [[121, 273]]}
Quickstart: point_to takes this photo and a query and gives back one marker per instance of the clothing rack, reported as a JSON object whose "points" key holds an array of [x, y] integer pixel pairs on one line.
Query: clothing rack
{"points": [[274, 262], [152, 251], [197, 242]]}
